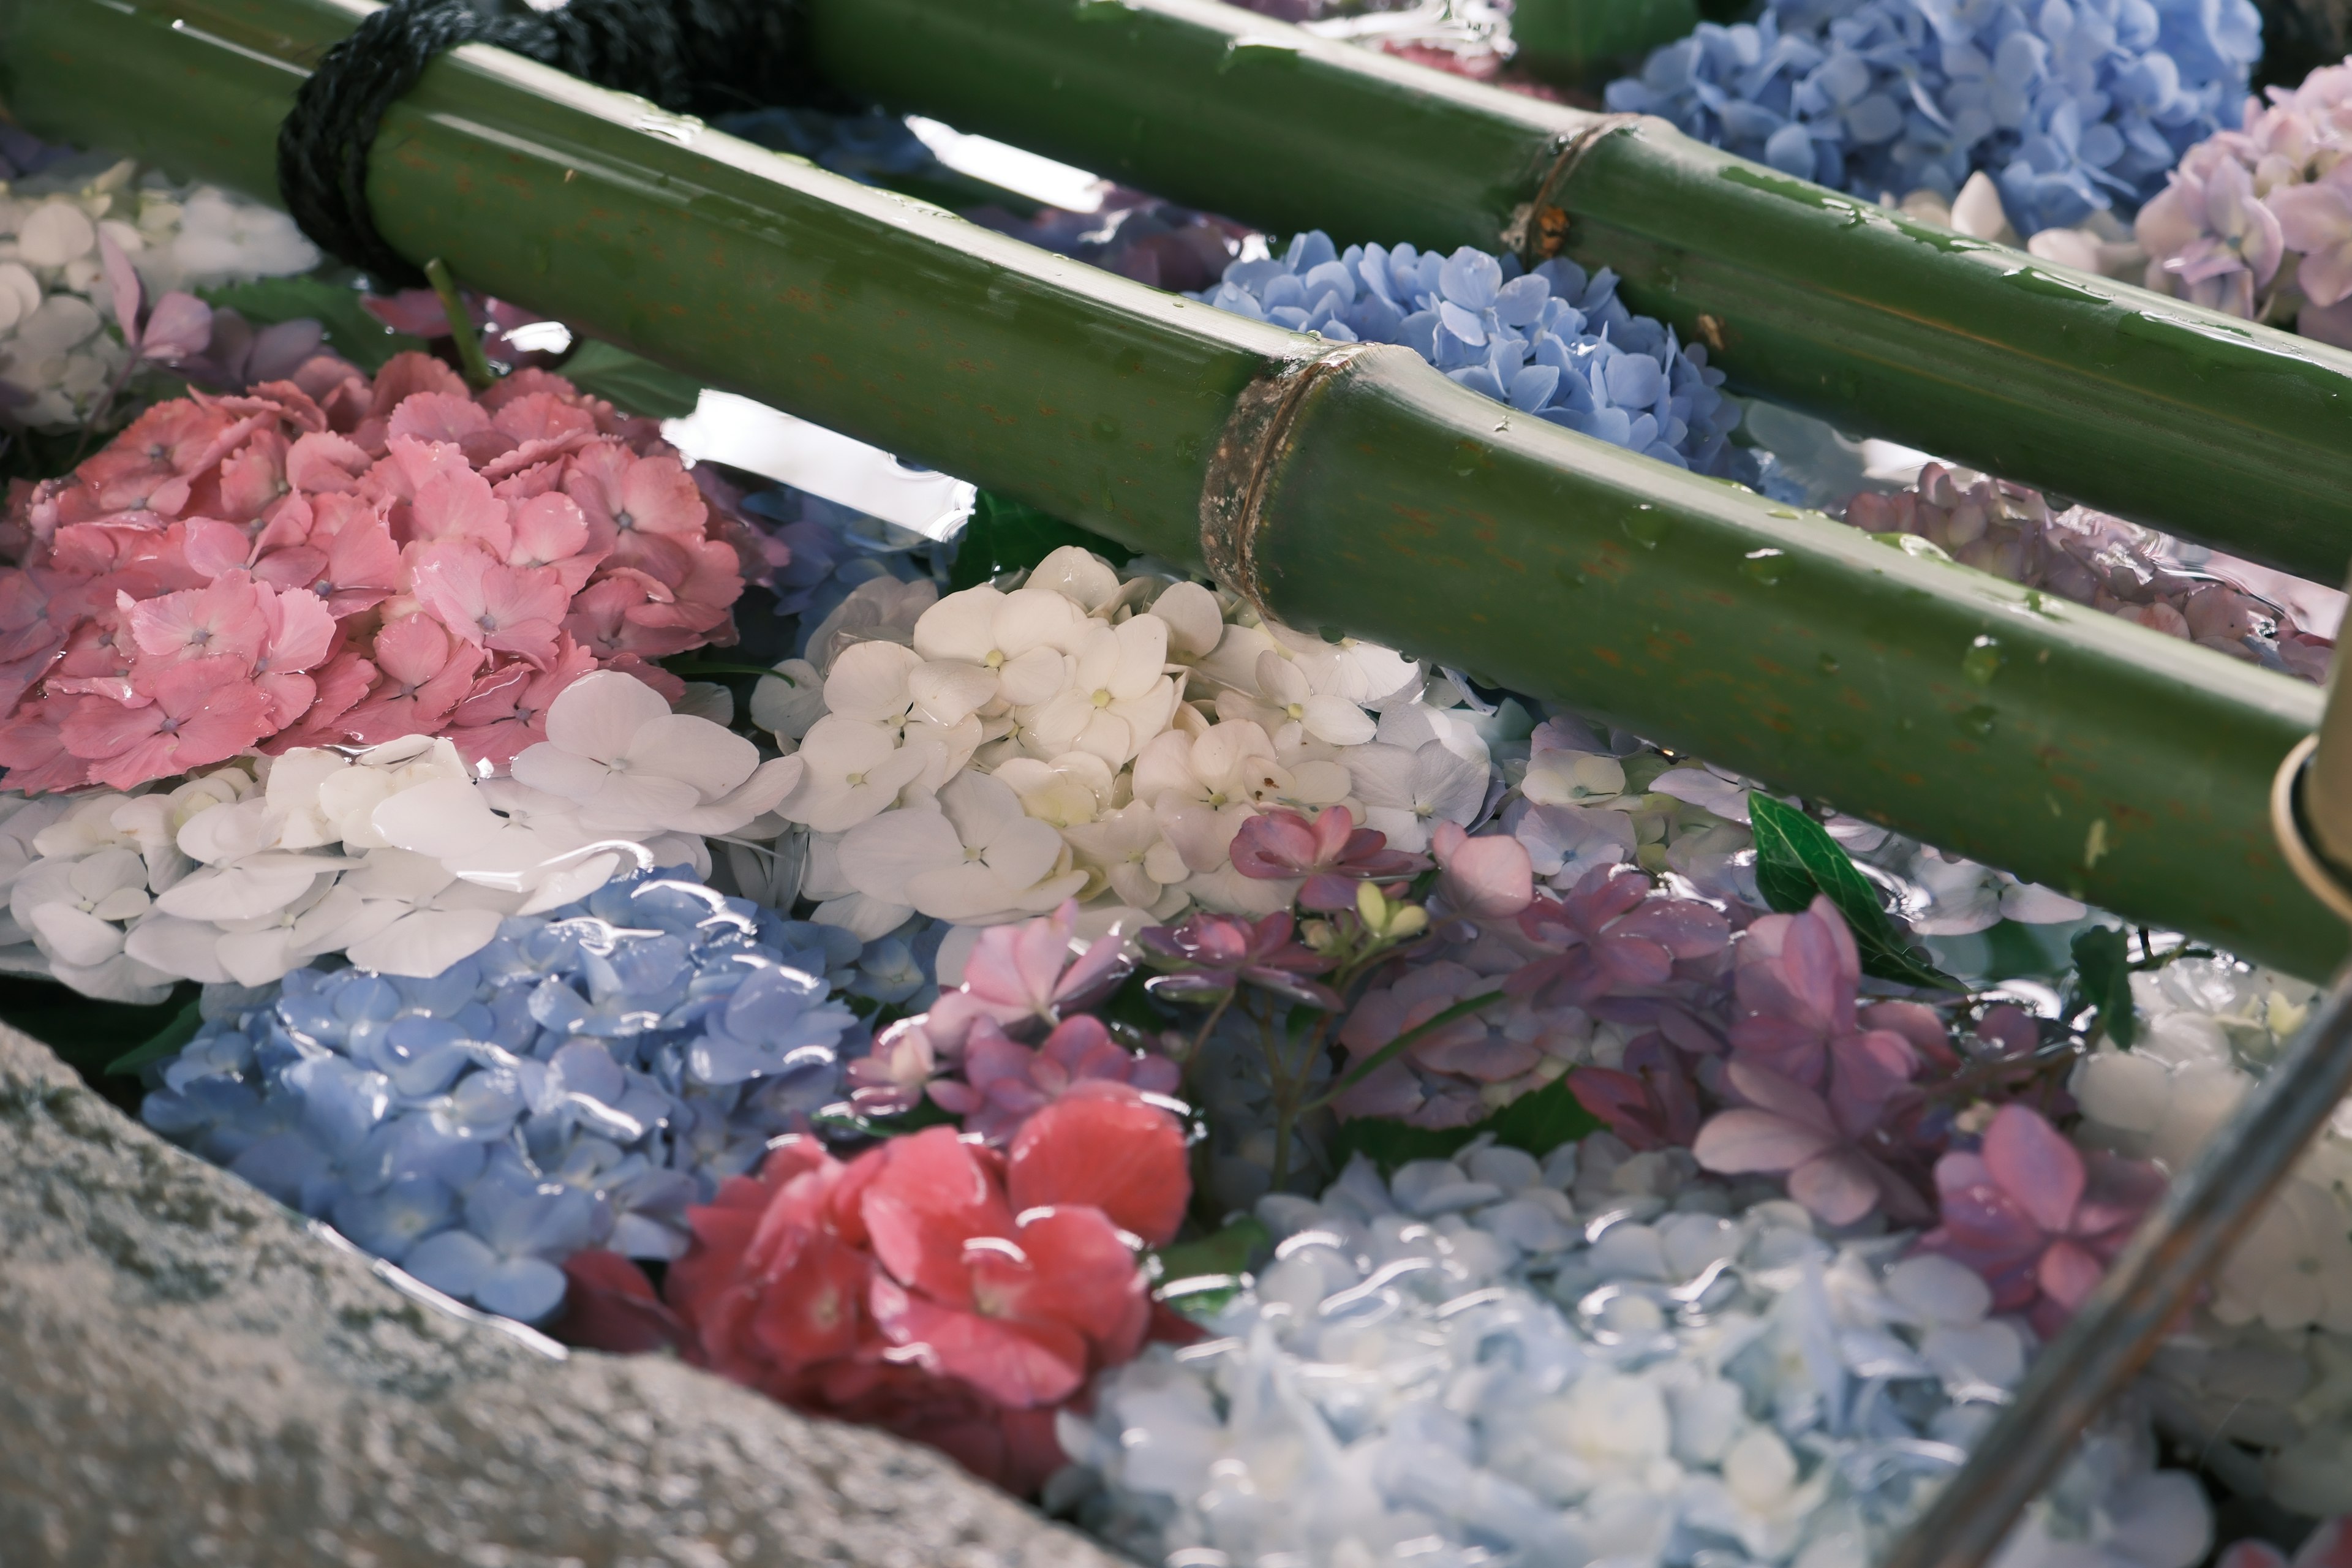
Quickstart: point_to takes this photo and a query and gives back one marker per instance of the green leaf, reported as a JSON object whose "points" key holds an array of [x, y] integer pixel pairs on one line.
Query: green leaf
{"points": [[350, 331], [1541, 1122], [2103, 973], [1389, 1144], [1796, 859], [93, 1037], [1229, 1251], [1537, 1123], [165, 1042], [1009, 536], [632, 384]]}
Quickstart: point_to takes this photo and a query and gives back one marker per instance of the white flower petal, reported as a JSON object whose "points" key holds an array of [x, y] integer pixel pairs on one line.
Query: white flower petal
{"points": [[74, 937], [865, 919], [596, 715], [948, 691], [961, 627], [548, 766], [695, 752], [1033, 677], [1076, 573], [1336, 722], [980, 807], [257, 958], [755, 796], [234, 893], [787, 702], [880, 857], [1036, 618], [1194, 621], [448, 816], [868, 681], [1022, 852], [189, 949], [427, 942]]}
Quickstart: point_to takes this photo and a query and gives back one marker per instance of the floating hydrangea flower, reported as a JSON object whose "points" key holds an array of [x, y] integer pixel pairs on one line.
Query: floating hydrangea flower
{"points": [[2039, 1220], [936, 1289], [2256, 220], [1553, 343], [335, 561], [1583, 1357], [2233, 606], [577, 1083], [2071, 107], [79, 250]]}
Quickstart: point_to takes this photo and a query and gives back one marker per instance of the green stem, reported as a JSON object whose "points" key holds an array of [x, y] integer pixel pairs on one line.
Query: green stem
{"points": [[1208, 1026], [1402, 1043], [470, 358]]}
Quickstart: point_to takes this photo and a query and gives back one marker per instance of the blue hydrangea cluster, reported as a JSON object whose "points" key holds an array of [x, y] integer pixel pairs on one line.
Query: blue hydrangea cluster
{"points": [[2070, 105], [1553, 343], [577, 1083]]}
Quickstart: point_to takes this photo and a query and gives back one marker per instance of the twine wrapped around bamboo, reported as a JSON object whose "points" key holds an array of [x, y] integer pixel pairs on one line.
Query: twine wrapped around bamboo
{"points": [[2237, 434], [1380, 499]]}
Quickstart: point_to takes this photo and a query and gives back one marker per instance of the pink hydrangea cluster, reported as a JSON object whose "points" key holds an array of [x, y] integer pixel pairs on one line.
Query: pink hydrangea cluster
{"points": [[2233, 606], [2258, 221], [1552, 968], [332, 560], [967, 1056], [1813, 1078]]}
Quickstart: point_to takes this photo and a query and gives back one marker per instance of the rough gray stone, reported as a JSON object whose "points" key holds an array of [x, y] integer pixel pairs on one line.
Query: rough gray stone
{"points": [[191, 1374]]}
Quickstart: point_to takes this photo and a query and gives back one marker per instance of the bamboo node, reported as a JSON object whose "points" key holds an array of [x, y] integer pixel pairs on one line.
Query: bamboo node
{"points": [[2310, 865], [1538, 229], [1249, 449]]}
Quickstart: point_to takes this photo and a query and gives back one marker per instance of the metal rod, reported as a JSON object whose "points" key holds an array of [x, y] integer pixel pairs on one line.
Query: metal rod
{"points": [[2176, 1248]]}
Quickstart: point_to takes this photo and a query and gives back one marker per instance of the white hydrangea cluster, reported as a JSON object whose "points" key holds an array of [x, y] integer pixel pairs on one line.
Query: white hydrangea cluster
{"points": [[2262, 1378], [57, 352], [1593, 1357], [1102, 735], [397, 855], [983, 756], [2206, 1028]]}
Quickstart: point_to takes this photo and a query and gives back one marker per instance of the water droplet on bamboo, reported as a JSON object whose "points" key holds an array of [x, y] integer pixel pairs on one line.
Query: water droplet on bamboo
{"points": [[1262, 51], [1977, 720], [1644, 529], [1829, 664], [1982, 662], [1769, 567]]}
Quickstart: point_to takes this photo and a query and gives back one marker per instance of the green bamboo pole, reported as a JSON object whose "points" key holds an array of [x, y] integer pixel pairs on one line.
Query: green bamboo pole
{"points": [[1382, 499], [2195, 421]]}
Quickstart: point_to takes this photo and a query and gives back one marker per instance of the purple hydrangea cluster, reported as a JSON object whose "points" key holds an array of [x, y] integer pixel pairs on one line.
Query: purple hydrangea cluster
{"points": [[1555, 343], [577, 1083], [2071, 106]]}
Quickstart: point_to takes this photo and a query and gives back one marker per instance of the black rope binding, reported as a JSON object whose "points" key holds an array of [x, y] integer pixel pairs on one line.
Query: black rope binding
{"points": [[687, 55]]}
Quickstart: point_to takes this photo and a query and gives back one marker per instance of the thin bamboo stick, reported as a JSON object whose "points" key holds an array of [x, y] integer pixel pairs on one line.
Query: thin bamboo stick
{"points": [[2065, 745], [2192, 421]]}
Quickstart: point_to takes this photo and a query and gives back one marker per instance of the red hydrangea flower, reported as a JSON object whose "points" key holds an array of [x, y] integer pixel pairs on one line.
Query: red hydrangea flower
{"points": [[932, 1286]]}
